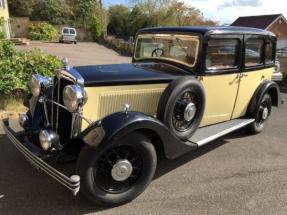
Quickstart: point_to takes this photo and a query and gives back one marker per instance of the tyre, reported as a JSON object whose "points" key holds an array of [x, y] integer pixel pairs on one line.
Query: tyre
{"points": [[261, 115], [118, 172], [75, 42], [181, 106]]}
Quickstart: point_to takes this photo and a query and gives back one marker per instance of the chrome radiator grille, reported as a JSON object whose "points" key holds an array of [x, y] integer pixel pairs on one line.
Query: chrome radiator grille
{"points": [[61, 119]]}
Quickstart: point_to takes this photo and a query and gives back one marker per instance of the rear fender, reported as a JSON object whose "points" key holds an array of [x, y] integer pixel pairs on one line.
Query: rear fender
{"points": [[269, 87]]}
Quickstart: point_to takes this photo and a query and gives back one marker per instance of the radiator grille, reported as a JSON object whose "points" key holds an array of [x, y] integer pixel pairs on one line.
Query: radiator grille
{"points": [[61, 119]]}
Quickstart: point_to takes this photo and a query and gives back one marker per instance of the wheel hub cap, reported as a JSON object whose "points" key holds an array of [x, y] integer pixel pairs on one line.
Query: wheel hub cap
{"points": [[122, 170], [265, 113], [189, 111]]}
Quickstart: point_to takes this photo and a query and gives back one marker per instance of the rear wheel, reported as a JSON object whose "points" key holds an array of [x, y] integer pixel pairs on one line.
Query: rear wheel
{"points": [[118, 172], [261, 115]]}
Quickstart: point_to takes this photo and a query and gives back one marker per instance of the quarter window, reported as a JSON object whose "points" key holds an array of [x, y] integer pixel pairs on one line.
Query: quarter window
{"points": [[222, 54], [253, 52], [269, 52]]}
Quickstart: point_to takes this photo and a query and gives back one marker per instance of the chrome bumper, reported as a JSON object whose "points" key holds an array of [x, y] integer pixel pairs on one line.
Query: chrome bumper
{"points": [[72, 183]]}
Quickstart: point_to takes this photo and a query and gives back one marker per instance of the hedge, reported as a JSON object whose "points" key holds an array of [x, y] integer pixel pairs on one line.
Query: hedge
{"points": [[17, 67]]}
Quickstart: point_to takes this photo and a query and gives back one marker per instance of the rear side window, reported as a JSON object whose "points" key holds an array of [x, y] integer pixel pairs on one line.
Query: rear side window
{"points": [[72, 31], [66, 31], [269, 52], [253, 52], [222, 54]]}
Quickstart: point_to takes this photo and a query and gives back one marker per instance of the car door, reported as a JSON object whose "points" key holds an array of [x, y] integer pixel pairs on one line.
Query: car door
{"points": [[255, 70], [220, 79]]}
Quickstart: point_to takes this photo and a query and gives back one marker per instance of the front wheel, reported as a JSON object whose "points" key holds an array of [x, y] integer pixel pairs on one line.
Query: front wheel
{"points": [[261, 115], [118, 172]]}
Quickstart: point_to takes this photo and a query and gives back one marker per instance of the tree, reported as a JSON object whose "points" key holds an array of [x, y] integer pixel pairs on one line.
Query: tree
{"points": [[95, 28], [52, 11], [86, 10], [20, 7], [118, 20], [136, 20]]}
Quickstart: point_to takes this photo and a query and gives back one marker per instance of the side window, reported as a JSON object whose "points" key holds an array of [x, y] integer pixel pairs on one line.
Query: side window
{"points": [[269, 52], [253, 52], [222, 54]]}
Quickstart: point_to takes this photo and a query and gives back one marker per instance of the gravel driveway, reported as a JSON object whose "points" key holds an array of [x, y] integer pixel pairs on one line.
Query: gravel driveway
{"points": [[81, 54]]}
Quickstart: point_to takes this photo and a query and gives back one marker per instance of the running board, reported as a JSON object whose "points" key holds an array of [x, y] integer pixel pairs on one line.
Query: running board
{"points": [[209, 133]]}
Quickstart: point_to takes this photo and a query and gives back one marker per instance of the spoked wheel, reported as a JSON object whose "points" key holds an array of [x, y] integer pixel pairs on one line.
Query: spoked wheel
{"points": [[118, 169], [117, 172], [181, 106], [262, 114], [184, 111]]}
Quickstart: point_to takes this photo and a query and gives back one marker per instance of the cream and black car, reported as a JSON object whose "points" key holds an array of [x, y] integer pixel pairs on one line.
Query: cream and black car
{"points": [[185, 87]]}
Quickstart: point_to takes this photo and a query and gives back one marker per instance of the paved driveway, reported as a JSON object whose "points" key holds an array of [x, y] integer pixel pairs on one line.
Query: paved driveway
{"points": [[237, 174], [81, 54]]}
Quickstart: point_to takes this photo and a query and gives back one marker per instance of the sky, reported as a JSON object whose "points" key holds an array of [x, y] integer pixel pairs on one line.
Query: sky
{"points": [[226, 11]]}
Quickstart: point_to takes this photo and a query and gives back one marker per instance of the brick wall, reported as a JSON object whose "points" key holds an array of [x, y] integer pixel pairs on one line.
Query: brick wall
{"points": [[279, 28]]}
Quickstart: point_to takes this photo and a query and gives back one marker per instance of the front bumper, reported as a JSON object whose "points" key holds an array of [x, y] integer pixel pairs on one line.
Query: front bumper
{"points": [[72, 183]]}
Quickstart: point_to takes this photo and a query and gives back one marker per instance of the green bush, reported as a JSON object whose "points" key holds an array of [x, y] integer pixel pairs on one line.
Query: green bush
{"points": [[42, 31], [95, 28], [1, 25], [17, 67]]}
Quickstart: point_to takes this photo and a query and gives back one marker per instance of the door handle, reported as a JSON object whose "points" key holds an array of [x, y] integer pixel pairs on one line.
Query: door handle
{"points": [[240, 75]]}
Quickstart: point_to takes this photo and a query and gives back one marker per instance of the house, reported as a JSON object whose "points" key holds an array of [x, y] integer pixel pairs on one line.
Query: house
{"points": [[4, 14], [275, 23]]}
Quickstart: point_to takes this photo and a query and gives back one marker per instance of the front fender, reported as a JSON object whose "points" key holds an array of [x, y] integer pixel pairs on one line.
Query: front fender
{"points": [[265, 87], [117, 125]]}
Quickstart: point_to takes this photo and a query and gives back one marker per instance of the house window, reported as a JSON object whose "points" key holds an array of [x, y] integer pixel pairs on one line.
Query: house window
{"points": [[253, 52], [222, 54]]}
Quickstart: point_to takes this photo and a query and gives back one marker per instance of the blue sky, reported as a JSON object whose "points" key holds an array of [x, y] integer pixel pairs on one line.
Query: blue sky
{"points": [[110, 2], [226, 11]]}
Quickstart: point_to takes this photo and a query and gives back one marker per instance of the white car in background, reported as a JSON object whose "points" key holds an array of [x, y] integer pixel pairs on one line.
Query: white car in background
{"points": [[68, 35]]}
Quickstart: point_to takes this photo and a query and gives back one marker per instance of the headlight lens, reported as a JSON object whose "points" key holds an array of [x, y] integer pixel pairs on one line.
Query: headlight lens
{"points": [[74, 96], [36, 83]]}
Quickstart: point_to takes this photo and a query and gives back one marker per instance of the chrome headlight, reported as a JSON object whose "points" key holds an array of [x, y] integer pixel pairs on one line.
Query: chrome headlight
{"points": [[37, 83], [48, 139], [74, 96]]}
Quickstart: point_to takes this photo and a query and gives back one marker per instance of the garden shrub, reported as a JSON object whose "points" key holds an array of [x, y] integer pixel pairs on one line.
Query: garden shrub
{"points": [[17, 67], [42, 31]]}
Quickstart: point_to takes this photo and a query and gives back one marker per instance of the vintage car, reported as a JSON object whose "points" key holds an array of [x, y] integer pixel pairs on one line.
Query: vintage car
{"points": [[185, 87]]}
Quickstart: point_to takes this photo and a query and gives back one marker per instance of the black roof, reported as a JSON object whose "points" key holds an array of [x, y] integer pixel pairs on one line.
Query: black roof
{"points": [[207, 30], [261, 22]]}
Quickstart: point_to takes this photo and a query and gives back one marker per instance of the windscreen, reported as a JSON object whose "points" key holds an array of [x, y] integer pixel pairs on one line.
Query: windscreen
{"points": [[178, 48]]}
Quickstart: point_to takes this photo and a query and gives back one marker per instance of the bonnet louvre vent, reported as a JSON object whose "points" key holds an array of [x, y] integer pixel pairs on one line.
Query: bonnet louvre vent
{"points": [[145, 101]]}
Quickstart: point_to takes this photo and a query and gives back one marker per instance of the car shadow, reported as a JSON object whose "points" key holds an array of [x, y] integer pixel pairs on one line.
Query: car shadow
{"points": [[166, 165], [22, 188]]}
